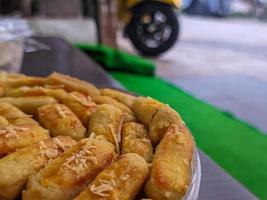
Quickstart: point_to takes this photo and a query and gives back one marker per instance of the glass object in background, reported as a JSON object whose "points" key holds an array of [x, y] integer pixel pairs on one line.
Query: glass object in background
{"points": [[12, 34]]}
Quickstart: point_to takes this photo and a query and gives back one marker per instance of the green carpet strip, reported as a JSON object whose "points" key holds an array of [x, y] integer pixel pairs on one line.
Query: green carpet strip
{"points": [[237, 147], [112, 59]]}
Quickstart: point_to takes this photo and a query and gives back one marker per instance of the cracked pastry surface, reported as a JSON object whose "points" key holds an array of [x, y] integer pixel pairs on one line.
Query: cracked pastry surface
{"points": [[66, 176], [16, 168], [121, 180]]}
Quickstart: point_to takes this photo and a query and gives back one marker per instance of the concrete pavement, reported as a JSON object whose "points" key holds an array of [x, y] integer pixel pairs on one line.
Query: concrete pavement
{"points": [[223, 62]]}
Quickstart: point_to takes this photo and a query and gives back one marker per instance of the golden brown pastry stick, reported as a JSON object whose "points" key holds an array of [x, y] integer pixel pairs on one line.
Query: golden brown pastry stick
{"points": [[4, 75], [135, 140], [144, 108], [16, 168], [17, 129], [14, 137], [170, 175], [156, 116], [29, 105], [24, 91], [9, 111], [121, 180], [107, 121], [18, 81], [3, 121], [122, 97], [65, 177], [129, 116], [72, 84], [161, 121], [60, 120], [14, 115], [81, 105]]}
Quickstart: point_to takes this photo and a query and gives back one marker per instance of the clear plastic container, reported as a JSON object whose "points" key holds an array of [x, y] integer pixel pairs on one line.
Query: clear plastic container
{"points": [[193, 190]]}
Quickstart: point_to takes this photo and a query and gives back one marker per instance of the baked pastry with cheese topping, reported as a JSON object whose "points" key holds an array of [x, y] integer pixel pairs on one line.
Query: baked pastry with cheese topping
{"points": [[71, 84], [12, 81], [129, 116], [16, 168], [10, 112], [135, 140], [58, 94], [122, 97], [81, 105], [170, 175], [121, 180], [145, 108], [156, 116], [29, 104], [3, 122], [60, 120], [107, 121], [14, 137], [66, 176]]}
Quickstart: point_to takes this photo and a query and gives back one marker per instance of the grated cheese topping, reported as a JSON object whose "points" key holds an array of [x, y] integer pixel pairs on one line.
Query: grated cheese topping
{"points": [[92, 135], [46, 152], [105, 187], [61, 112], [59, 143], [125, 177], [167, 194], [78, 162], [115, 139], [86, 101], [11, 131]]}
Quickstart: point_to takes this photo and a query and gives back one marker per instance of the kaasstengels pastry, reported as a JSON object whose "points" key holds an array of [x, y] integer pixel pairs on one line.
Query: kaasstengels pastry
{"points": [[66, 176], [18, 81], [14, 137], [161, 121], [122, 97], [170, 175], [58, 94], [107, 121], [71, 84], [29, 104], [16, 168], [129, 116], [60, 120], [156, 116], [3, 121], [9, 112], [135, 140], [121, 180], [145, 108], [81, 105]]}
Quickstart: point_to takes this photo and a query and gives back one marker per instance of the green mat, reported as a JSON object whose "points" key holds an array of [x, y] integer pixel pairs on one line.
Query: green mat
{"points": [[237, 147], [116, 60]]}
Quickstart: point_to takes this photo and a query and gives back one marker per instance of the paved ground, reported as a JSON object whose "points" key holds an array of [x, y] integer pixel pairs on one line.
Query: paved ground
{"points": [[223, 62]]}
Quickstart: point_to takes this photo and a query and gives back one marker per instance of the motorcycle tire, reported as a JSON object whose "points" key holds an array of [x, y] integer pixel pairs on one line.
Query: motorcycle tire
{"points": [[171, 19]]}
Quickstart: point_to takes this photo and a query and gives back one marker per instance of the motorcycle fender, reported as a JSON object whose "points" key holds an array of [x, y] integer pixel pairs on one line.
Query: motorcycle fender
{"points": [[175, 3]]}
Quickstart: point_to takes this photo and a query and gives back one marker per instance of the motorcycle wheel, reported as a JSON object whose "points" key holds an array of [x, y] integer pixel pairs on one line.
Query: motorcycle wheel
{"points": [[154, 28]]}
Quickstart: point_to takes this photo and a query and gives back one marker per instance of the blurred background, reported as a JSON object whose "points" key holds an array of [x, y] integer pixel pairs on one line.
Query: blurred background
{"points": [[214, 50]]}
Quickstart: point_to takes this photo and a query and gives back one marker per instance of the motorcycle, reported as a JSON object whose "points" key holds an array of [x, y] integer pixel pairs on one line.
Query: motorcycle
{"points": [[152, 26]]}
